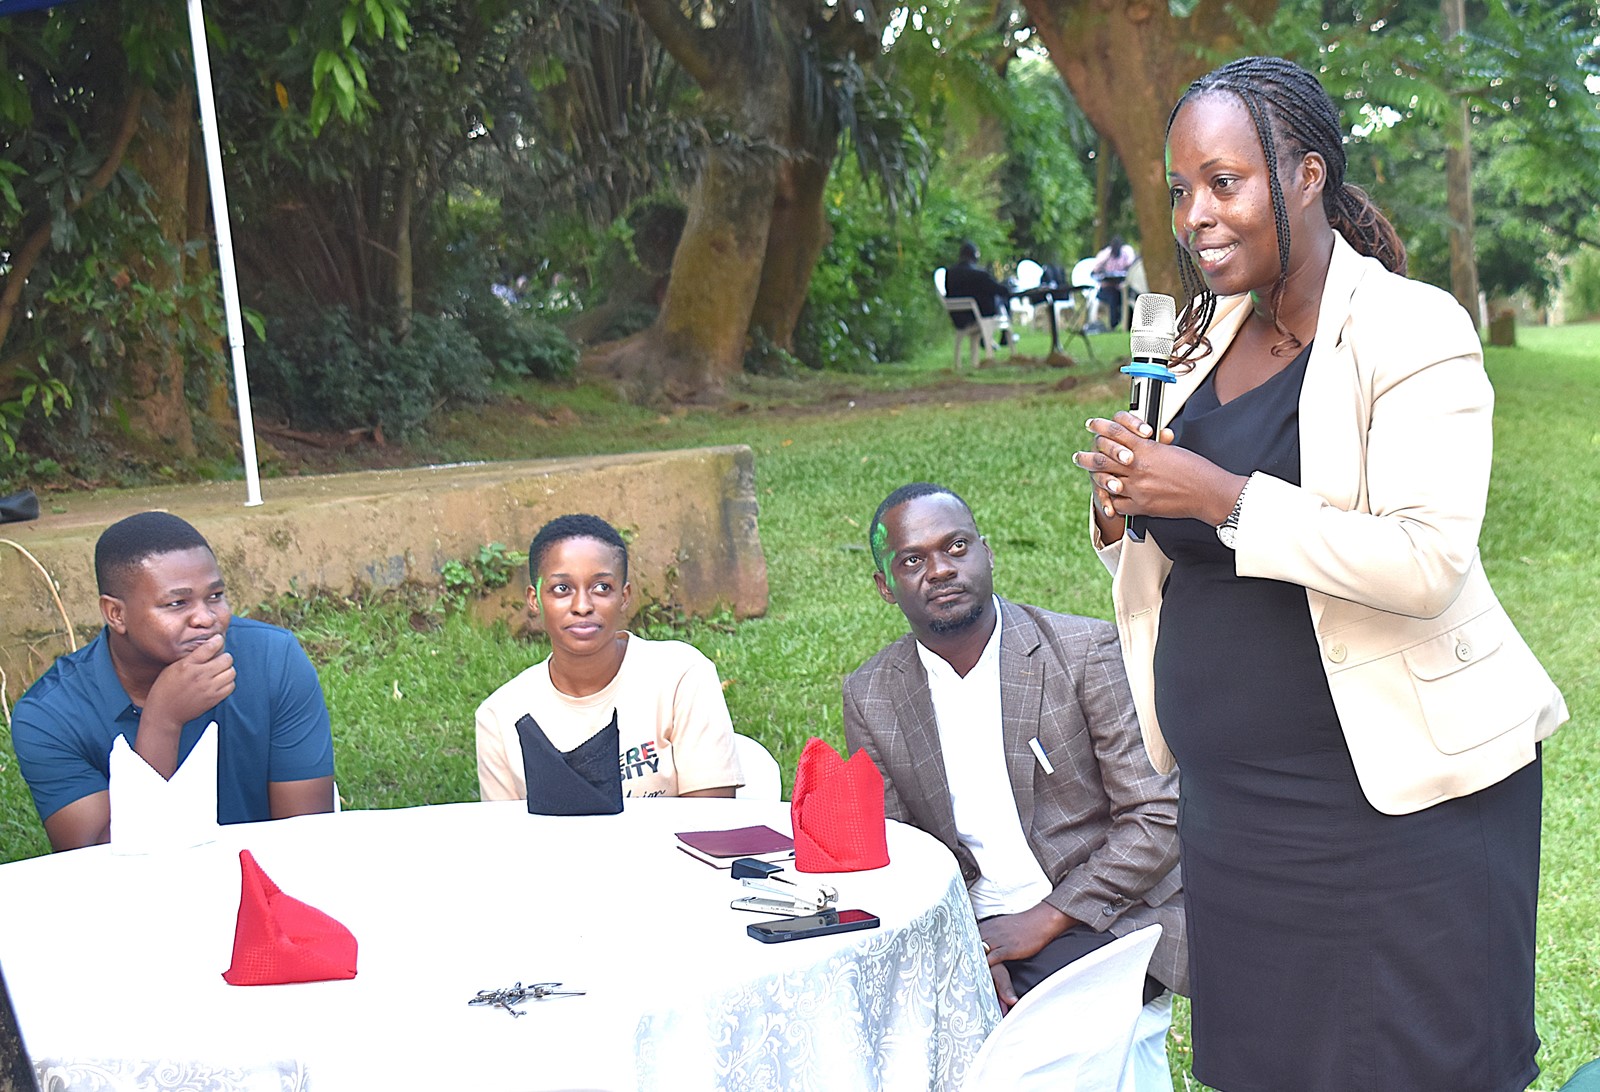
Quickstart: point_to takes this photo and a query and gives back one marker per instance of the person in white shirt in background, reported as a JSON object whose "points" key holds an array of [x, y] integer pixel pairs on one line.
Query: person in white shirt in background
{"points": [[1111, 267]]}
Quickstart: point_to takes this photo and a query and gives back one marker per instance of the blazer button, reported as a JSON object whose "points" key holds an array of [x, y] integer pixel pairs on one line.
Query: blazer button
{"points": [[1337, 652], [1107, 911], [1463, 652]]}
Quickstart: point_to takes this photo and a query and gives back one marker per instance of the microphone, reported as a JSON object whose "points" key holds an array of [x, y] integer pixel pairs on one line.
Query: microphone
{"points": [[1154, 329]]}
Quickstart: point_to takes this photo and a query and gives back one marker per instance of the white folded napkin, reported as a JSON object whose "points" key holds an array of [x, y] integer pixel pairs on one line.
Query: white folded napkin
{"points": [[150, 813]]}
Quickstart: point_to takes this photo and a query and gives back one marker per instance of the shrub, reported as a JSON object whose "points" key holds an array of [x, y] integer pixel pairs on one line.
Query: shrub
{"points": [[1581, 285], [872, 298], [324, 372], [518, 343]]}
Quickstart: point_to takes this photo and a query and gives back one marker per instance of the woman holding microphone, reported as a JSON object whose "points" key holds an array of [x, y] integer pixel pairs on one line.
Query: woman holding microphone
{"points": [[1309, 633]]}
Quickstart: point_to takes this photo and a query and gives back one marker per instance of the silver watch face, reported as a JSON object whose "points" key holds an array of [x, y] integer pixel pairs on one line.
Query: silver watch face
{"points": [[1228, 533]]}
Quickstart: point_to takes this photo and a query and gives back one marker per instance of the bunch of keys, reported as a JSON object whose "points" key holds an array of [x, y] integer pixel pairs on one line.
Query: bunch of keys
{"points": [[517, 994]]}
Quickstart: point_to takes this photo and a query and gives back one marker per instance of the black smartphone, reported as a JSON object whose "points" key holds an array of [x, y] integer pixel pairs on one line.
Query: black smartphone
{"points": [[812, 925]]}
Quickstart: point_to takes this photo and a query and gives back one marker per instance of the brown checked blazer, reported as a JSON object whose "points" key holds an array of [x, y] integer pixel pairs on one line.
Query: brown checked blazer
{"points": [[1103, 826]]}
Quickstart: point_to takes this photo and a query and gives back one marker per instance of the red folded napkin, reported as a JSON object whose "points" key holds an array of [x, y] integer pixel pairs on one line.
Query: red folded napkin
{"points": [[837, 811], [281, 939]]}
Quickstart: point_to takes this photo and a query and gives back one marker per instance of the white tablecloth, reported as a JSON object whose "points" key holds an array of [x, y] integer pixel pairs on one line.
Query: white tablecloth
{"points": [[119, 960]]}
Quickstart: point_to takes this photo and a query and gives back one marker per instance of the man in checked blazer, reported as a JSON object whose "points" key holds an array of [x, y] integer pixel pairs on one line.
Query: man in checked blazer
{"points": [[1007, 732]]}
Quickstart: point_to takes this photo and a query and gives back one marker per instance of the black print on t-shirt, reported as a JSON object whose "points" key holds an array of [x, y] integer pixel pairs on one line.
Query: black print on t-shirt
{"points": [[638, 761]]}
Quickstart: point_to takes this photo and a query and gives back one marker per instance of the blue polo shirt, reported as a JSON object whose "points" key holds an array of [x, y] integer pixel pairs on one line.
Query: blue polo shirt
{"points": [[273, 727]]}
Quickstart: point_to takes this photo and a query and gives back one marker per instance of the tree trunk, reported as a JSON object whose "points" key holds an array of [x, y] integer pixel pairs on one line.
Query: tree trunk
{"points": [[199, 269], [798, 233], [158, 410], [1458, 185], [697, 341], [1102, 195], [1127, 62], [404, 276]]}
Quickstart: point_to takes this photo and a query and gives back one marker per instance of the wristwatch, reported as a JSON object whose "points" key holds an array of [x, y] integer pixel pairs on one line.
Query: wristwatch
{"points": [[1228, 532]]}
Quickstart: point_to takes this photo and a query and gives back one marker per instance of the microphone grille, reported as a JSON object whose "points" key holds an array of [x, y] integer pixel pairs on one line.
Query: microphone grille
{"points": [[1155, 326]]}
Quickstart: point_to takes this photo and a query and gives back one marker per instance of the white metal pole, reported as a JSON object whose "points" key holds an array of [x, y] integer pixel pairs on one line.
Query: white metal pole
{"points": [[230, 284]]}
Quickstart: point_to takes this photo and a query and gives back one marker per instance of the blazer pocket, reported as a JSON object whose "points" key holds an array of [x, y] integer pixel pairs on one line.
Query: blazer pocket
{"points": [[1473, 683]]}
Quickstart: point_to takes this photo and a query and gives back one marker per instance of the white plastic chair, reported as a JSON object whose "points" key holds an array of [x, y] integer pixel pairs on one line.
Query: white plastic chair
{"points": [[1029, 276], [1147, 1057], [1077, 307], [983, 332], [762, 778], [1073, 1031]]}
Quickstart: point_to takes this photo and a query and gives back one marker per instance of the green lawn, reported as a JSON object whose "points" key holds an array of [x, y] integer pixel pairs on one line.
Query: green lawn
{"points": [[402, 696]]}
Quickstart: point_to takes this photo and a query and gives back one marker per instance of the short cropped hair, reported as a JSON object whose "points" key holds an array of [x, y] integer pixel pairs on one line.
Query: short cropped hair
{"points": [[129, 541], [573, 526], [968, 251], [877, 536]]}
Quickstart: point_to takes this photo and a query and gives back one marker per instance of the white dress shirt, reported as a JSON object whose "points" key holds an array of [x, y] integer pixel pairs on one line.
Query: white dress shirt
{"points": [[967, 712]]}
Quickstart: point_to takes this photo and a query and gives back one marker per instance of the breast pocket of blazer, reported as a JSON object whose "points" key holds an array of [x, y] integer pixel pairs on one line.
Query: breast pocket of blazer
{"points": [[1474, 683], [1066, 746]]}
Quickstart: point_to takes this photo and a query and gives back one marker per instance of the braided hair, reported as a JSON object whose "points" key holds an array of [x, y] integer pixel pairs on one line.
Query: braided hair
{"points": [[1293, 116]]}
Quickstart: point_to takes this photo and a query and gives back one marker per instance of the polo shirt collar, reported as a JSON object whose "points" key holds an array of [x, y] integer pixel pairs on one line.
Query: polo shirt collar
{"points": [[101, 679]]}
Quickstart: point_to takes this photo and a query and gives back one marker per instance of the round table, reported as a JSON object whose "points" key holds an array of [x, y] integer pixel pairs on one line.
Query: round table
{"points": [[115, 963]]}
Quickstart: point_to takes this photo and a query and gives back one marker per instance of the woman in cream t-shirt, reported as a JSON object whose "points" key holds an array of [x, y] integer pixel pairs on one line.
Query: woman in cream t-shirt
{"points": [[676, 737]]}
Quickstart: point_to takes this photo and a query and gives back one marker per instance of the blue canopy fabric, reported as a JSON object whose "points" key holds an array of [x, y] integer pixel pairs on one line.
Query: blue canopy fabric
{"points": [[17, 7]]}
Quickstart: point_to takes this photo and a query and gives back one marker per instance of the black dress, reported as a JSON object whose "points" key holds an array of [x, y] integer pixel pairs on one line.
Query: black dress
{"points": [[1331, 947]]}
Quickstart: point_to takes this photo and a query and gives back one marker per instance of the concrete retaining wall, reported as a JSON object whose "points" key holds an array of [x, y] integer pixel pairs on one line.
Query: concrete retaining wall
{"points": [[690, 516]]}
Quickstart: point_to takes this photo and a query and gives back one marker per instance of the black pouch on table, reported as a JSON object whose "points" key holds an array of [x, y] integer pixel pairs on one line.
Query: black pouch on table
{"points": [[583, 781]]}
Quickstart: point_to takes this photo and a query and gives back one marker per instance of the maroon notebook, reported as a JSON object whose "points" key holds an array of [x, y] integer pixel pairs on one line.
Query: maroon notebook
{"points": [[720, 847]]}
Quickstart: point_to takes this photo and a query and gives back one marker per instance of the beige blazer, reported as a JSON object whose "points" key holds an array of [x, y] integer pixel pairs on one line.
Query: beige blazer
{"points": [[1437, 693]]}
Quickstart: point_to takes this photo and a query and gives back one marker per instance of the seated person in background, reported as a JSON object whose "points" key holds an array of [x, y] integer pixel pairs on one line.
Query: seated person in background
{"points": [[967, 278], [676, 735], [1111, 267], [1008, 733], [170, 660]]}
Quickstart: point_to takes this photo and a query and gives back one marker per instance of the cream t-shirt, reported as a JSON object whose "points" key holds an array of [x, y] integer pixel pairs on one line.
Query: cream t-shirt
{"points": [[674, 730]]}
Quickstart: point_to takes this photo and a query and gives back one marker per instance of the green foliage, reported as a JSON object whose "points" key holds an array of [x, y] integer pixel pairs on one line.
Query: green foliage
{"points": [[456, 584], [1048, 197], [1524, 69], [72, 76], [339, 81], [1581, 288], [872, 298], [763, 357], [38, 391], [324, 372], [87, 305], [519, 343], [492, 566]]}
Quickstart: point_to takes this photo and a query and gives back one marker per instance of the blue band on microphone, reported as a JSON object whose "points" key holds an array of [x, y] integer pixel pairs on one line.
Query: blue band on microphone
{"points": [[1143, 369]]}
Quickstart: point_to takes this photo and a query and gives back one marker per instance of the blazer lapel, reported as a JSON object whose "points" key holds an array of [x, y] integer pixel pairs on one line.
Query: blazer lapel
{"points": [[1332, 403], [920, 733], [1021, 699]]}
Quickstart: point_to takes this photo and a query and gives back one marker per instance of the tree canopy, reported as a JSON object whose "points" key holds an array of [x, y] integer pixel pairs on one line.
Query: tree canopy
{"points": [[427, 194]]}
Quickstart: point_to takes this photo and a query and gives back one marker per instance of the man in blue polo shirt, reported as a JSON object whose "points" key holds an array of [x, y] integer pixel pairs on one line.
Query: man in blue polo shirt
{"points": [[170, 660]]}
